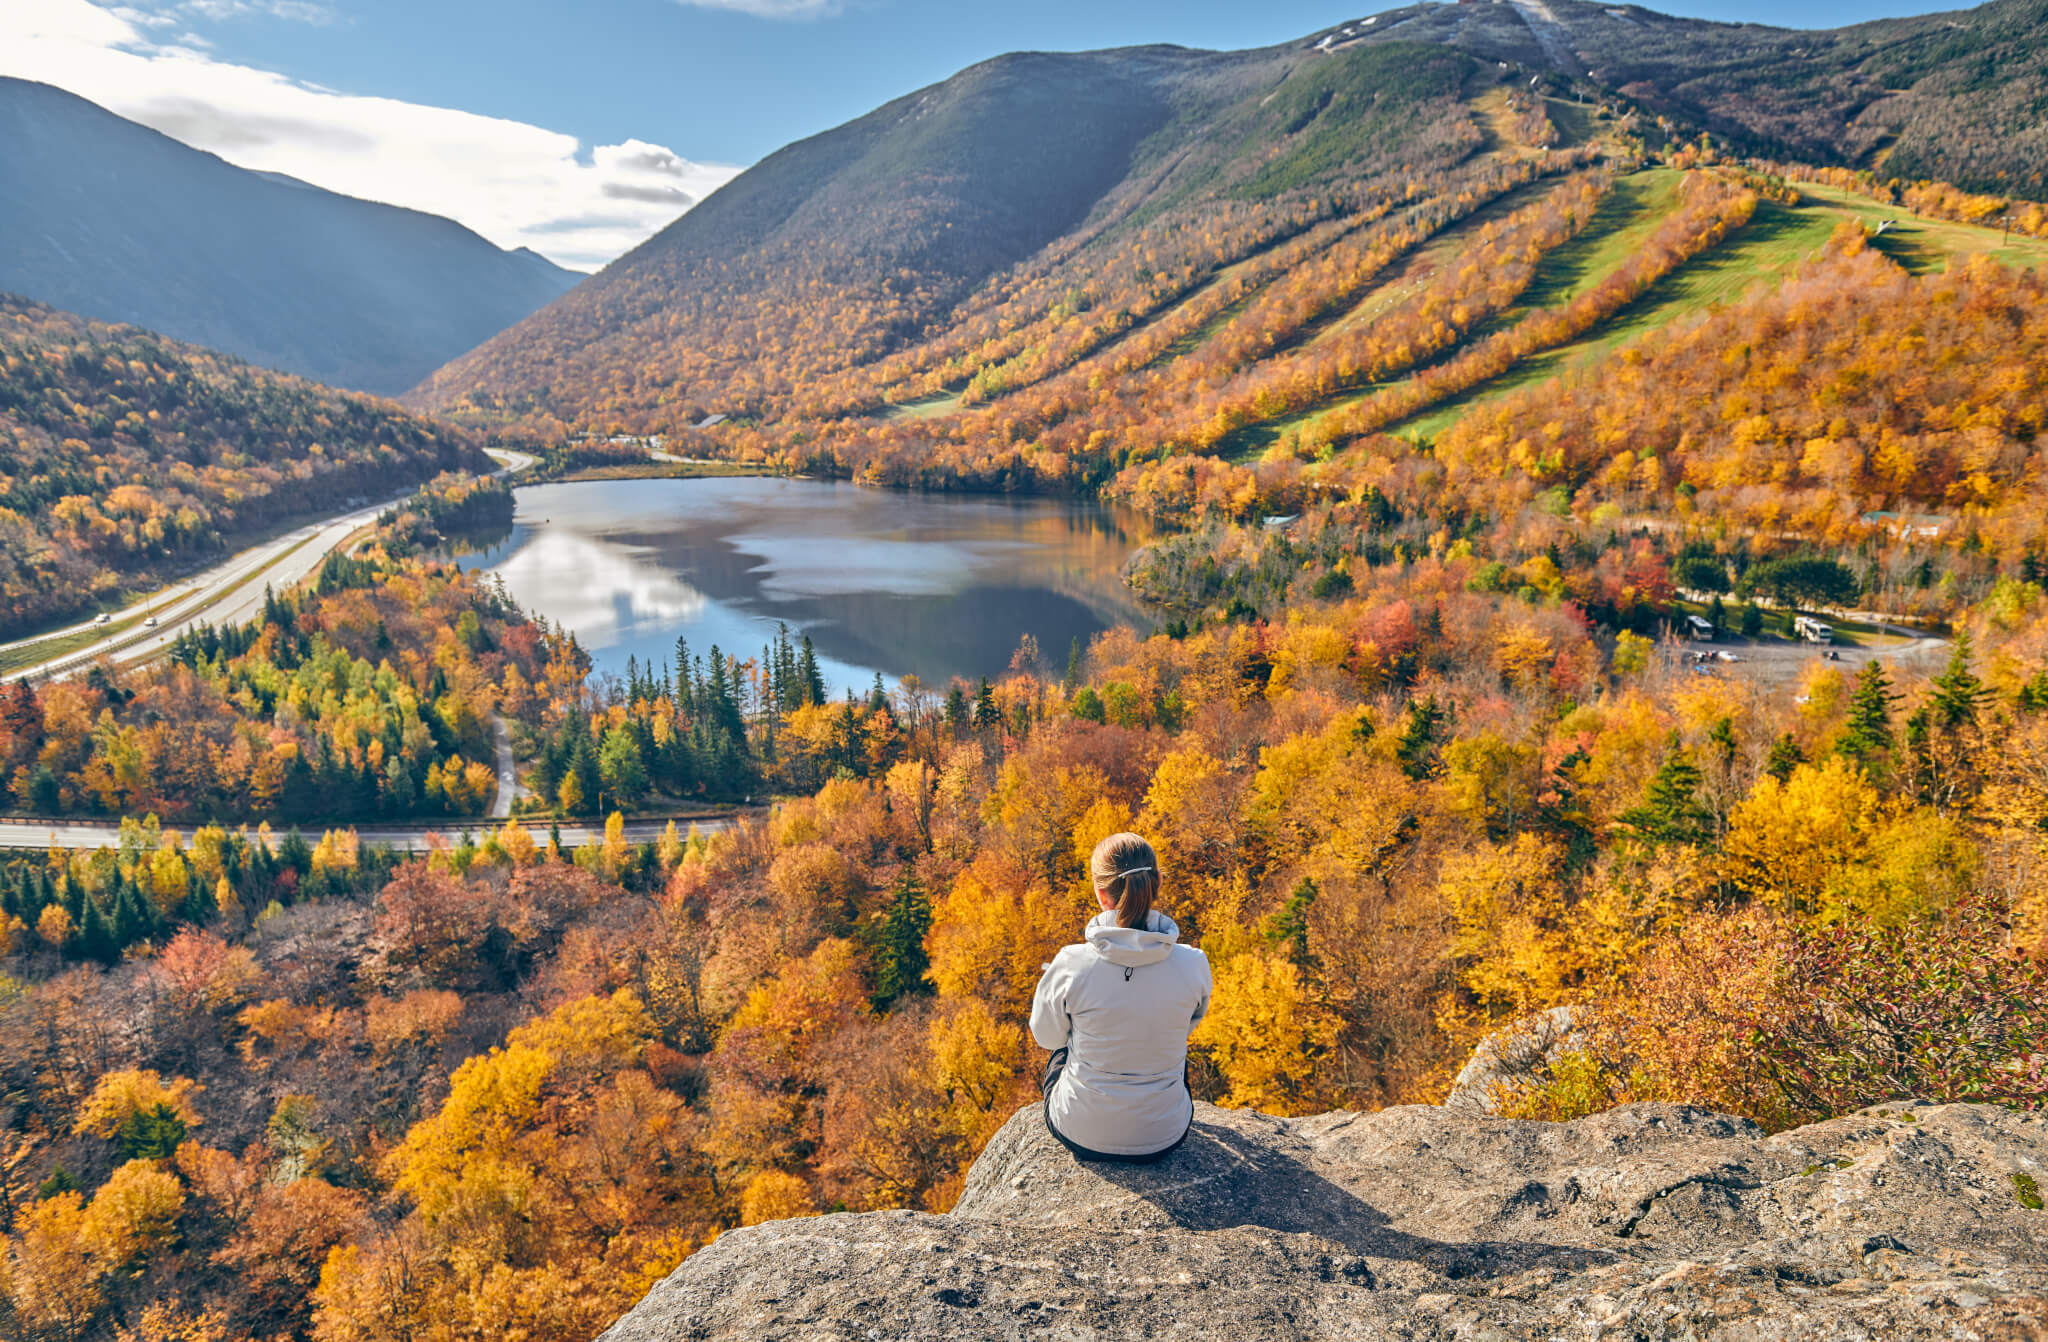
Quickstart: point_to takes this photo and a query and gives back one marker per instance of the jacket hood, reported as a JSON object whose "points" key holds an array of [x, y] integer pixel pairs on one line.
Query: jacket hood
{"points": [[1146, 945]]}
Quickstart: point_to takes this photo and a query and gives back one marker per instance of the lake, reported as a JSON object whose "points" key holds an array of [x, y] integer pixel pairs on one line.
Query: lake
{"points": [[940, 585]]}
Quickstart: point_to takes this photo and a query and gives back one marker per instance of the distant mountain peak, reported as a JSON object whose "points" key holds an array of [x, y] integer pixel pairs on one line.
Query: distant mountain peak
{"points": [[115, 221]]}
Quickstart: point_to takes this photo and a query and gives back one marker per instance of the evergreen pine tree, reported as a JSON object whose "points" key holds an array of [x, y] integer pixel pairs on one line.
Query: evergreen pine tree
{"points": [[1419, 735], [131, 924], [956, 709], [1723, 737], [986, 714], [1958, 694], [1867, 736], [1670, 811], [1288, 927], [1073, 666], [1784, 758], [812, 679], [900, 968], [94, 939]]}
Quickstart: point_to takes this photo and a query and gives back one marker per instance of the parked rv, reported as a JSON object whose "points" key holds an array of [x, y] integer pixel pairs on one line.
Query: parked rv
{"points": [[1812, 630]]}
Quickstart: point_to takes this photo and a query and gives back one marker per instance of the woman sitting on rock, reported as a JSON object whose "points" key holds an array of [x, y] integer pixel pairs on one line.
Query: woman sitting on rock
{"points": [[1116, 1011]]}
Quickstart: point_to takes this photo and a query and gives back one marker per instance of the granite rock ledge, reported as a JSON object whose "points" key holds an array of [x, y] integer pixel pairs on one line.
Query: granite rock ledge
{"points": [[1904, 1221]]}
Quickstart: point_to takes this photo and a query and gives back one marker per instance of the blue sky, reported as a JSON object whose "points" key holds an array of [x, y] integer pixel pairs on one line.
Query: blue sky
{"points": [[578, 127], [723, 84]]}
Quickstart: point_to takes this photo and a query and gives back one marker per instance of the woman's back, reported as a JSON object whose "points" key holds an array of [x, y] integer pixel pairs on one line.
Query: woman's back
{"points": [[1121, 1004]]}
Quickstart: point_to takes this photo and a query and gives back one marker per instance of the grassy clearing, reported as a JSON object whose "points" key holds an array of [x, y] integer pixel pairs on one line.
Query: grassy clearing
{"points": [[1628, 215], [1764, 252], [1774, 244], [1574, 121], [1410, 277], [48, 649], [1921, 244], [928, 407]]}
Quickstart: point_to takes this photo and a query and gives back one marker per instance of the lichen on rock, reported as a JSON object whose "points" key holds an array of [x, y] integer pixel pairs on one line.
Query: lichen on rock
{"points": [[1651, 1220]]}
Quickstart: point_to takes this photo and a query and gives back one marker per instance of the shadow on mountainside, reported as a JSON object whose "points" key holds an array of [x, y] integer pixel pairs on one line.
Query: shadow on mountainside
{"points": [[1218, 1180]]}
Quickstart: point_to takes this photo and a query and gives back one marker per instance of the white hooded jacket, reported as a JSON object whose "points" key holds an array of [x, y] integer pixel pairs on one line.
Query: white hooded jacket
{"points": [[1122, 1004]]}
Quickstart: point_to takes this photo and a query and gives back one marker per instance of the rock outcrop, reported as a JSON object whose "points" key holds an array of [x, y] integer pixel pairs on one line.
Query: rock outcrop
{"points": [[1516, 1058], [1651, 1221]]}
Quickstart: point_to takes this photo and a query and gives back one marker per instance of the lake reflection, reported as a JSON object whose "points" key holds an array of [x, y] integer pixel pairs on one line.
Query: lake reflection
{"points": [[939, 585]]}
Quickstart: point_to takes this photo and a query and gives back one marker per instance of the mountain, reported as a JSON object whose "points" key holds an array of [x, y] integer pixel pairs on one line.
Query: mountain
{"points": [[839, 248], [1028, 198], [115, 221], [125, 455], [1956, 96]]}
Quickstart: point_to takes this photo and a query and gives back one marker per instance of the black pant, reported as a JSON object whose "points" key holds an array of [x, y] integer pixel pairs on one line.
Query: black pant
{"points": [[1057, 1064]]}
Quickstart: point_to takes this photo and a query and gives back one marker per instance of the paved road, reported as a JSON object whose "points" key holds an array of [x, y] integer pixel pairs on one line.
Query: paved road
{"points": [[38, 835], [508, 770], [229, 592]]}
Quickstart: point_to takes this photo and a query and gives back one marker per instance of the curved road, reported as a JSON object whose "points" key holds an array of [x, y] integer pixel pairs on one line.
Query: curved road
{"points": [[38, 835], [227, 593], [232, 591]]}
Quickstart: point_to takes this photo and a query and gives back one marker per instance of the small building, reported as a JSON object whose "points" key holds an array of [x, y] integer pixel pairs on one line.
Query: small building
{"points": [[1699, 628]]}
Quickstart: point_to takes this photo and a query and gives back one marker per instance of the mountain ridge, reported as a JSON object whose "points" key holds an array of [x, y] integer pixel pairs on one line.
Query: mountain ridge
{"points": [[118, 222], [891, 228]]}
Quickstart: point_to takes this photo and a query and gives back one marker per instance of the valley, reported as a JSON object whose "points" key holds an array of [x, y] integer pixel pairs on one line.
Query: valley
{"points": [[1537, 513]]}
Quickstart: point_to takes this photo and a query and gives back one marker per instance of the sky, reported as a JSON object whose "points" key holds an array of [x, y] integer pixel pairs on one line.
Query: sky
{"points": [[580, 127]]}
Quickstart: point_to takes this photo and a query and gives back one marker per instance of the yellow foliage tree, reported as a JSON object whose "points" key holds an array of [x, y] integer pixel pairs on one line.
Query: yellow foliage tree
{"points": [[119, 1096], [1513, 952], [1266, 1031], [134, 1211], [52, 1275], [775, 1195], [976, 1059], [1787, 841], [518, 844]]}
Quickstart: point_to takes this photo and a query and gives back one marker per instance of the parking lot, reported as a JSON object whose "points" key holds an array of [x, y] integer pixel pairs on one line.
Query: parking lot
{"points": [[1773, 660]]}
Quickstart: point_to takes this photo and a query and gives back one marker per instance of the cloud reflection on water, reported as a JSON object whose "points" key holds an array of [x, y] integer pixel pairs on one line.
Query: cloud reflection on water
{"points": [[939, 585]]}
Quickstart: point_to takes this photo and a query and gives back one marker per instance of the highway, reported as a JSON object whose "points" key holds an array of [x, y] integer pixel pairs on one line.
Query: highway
{"points": [[228, 593], [38, 835]]}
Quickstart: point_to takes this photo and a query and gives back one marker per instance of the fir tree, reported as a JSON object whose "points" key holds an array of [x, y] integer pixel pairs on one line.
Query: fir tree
{"points": [[1288, 926], [1784, 758], [1958, 694], [900, 967], [131, 923], [94, 938], [1420, 732], [1670, 811], [1723, 738], [812, 680], [986, 714], [154, 1133], [1867, 737]]}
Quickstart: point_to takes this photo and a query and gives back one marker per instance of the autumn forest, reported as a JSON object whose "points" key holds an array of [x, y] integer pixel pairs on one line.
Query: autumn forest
{"points": [[1461, 402]]}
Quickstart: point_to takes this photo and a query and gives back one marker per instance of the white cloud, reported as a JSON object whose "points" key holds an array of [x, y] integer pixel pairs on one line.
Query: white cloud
{"points": [[517, 184], [773, 9]]}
